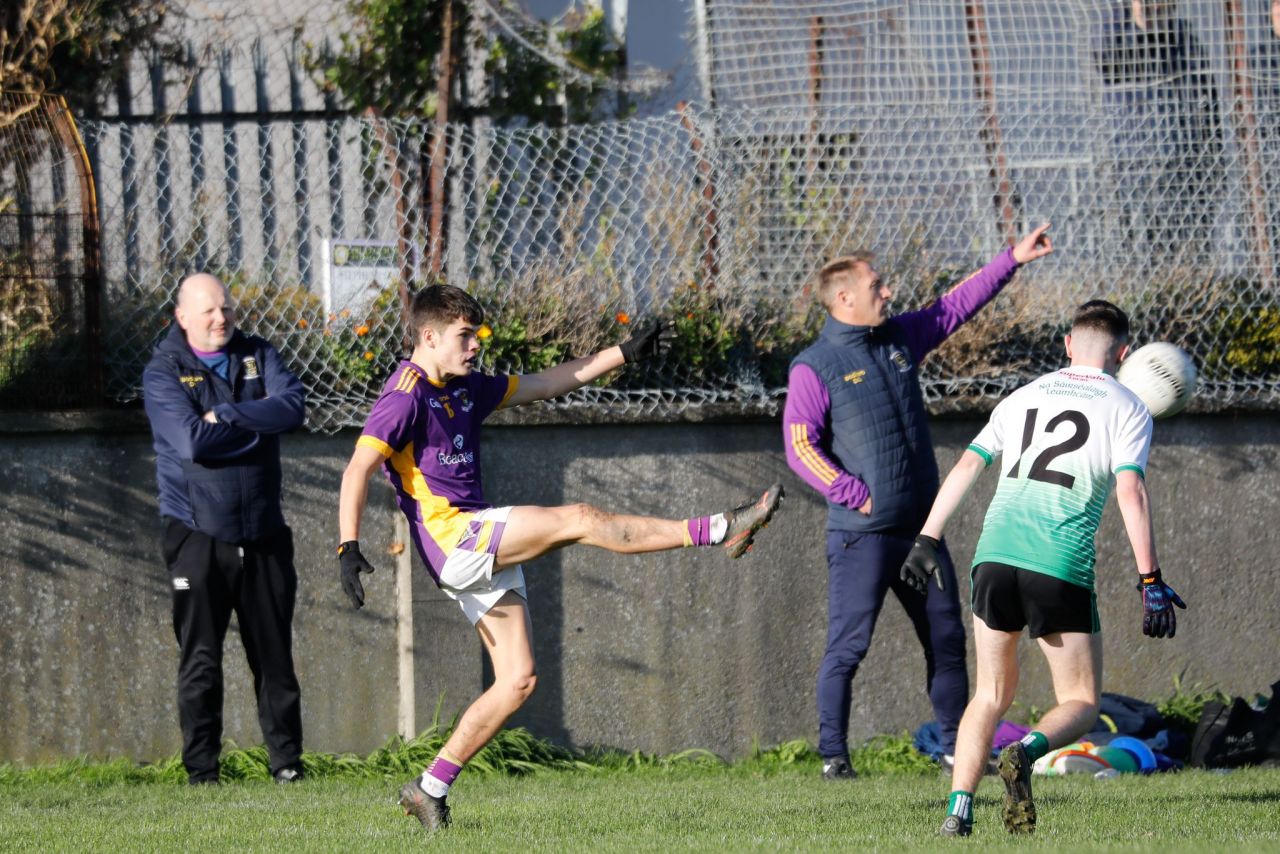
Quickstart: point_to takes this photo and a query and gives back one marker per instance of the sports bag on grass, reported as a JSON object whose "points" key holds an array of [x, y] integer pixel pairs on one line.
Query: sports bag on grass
{"points": [[1238, 734]]}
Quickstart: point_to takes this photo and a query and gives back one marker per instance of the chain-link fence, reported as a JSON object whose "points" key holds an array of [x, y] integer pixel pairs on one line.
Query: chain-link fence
{"points": [[926, 131], [49, 346]]}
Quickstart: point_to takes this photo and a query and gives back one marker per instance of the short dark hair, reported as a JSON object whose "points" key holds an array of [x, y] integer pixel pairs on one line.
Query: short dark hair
{"points": [[1098, 315], [836, 266], [440, 305]]}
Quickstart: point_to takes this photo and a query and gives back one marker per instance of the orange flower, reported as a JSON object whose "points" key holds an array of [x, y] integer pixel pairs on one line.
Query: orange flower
{"points": [[484, 332], [368, 355], [622, 317], [689, 316], [302, 324], [332, 317], [362, 330], [346, 312]]}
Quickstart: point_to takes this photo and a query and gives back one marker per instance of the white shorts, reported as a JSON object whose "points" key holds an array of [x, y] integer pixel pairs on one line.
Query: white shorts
{"points": [[467, 576]]}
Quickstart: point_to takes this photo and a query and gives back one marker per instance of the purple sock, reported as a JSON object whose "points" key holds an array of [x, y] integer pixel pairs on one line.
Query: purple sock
{"points": [[699, 531], [444, 770]]}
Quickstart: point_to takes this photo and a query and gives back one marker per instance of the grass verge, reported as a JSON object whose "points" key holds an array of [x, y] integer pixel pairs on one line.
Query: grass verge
{"points": [[686, 807]]}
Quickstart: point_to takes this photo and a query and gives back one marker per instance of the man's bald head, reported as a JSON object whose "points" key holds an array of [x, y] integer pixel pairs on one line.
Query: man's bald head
{"points": [[205, 312], [199, 284]]}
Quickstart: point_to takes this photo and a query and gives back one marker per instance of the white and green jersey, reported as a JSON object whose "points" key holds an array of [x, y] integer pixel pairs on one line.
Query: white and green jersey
{"points": [[1062, 438]]}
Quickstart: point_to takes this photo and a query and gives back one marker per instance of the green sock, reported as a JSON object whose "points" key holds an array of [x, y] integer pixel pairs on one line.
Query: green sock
{"points": [[961, 805], [1036, 745]]}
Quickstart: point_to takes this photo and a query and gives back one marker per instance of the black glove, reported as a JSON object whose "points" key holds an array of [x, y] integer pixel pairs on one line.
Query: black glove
{"points": [[922, 562], [353, 563], [647, 342], [1158, 599]]}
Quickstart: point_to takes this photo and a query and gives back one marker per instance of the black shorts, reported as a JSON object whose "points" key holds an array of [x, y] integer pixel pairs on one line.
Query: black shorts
{"points": [[1009, 598]]}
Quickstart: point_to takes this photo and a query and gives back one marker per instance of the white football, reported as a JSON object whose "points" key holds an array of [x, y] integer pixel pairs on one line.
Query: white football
{"points": [[1162, 375]]}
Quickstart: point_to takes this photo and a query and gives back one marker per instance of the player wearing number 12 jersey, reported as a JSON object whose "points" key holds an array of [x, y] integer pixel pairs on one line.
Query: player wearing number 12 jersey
{"points": [[1063, 441]]}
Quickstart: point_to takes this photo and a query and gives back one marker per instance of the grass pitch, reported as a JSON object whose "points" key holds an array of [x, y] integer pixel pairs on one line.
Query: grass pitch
{"points": [[643, 809]]}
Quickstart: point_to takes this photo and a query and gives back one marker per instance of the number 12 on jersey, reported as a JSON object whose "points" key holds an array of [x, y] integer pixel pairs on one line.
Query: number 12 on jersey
{"points": [[1040, 469]]}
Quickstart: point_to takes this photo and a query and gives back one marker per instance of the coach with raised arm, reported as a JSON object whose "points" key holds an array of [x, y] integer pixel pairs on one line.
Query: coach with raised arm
{"points": [[856, 430], [218, 400]]}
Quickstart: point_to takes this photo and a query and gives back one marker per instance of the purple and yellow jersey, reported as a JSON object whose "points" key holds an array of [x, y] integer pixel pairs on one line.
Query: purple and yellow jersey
{"points": [[430, 436]]}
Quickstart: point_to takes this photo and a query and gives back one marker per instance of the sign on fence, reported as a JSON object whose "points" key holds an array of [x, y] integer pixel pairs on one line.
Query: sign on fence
{"points": [[355, 271]]}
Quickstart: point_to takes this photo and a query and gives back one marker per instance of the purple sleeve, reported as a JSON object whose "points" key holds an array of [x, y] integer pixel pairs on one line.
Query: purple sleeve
{"points": [[805, 435], [389, 425], [930, 326], [491, 392]]}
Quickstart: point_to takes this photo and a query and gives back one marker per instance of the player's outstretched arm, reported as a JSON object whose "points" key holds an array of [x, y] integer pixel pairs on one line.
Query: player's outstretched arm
{"points": [[351, 501], [1034, 246], [645, 343]]}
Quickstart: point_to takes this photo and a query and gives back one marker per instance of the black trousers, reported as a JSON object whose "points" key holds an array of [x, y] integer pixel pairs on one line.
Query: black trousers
{"points": [[257, 581]]}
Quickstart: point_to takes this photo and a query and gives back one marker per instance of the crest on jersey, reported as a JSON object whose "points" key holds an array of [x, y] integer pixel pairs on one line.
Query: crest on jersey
{"points": [[251, 368], [464, 402], [900, 360]]}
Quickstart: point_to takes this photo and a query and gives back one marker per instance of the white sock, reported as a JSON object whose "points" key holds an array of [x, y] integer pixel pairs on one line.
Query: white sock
{"points": [[719, 527], [433, 787]]}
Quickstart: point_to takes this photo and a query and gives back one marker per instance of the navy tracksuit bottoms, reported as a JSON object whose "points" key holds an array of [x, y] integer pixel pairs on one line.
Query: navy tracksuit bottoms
{"points": [[862, 568]]}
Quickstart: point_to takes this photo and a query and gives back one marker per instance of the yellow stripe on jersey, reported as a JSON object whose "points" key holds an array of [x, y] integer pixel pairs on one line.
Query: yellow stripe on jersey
{"points": [[408, 379], [807, 455], [513, 383], [444, 522], [375, 443], [962, 282]]}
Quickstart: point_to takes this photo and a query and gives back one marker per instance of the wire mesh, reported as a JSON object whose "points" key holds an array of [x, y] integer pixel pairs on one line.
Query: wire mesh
{"points": [[44, 334], [928, 131]]}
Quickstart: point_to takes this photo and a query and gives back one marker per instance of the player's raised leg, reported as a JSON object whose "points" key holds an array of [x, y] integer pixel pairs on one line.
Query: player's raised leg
{"points": [[531, 532], [997, 682], [507, 636]]}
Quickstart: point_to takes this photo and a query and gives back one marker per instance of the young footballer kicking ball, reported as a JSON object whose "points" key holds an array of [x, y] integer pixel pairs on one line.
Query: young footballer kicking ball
{"points": [[424, 430], [1064, 439]]}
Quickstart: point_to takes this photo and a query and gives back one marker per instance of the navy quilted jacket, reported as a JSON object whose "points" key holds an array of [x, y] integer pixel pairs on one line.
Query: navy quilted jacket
{"points": [[221, 479]]}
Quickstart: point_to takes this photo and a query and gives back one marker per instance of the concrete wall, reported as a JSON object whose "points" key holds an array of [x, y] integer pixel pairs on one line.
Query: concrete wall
{"points": [[659, 653]]}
